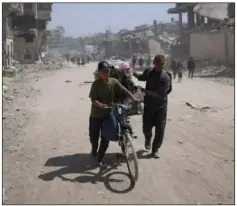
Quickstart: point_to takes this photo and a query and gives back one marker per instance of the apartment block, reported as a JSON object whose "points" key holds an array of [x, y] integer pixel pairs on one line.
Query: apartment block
{"points": [[29, 29]]}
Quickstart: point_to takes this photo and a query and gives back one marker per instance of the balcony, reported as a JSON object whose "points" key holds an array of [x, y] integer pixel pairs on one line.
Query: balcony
{"points": [[44, 11], [24, 22], [25, 32], [44, 15]]}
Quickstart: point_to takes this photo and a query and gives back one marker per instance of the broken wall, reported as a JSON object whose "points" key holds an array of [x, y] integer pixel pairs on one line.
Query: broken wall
{"points": [[217, 46], [25, 52], [28, 52]]}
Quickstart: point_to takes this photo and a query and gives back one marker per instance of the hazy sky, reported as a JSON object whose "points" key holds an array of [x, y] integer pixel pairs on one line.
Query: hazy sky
{"points": [[80, 19]]}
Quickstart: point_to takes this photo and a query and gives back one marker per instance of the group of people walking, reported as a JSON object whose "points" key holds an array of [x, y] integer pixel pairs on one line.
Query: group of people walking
{"points": [[78, 59], [104, 91], [178, 68], [141, 61]]}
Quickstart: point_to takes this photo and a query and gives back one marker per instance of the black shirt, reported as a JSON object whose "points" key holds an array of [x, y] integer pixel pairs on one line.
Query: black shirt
{"points": [[157, 83], [191, 64]]}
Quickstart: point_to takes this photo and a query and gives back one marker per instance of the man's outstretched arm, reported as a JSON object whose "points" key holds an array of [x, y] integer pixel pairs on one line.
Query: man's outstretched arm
{"points": [[141, 77]]}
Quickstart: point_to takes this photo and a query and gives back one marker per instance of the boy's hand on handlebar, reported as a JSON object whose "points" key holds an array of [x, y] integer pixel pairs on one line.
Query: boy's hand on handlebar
{"points": [[103, 106]]}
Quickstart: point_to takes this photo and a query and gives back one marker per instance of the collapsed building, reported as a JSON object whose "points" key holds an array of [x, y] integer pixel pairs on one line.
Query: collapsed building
{"points": [[28, 31], [207, 35], [127, 42], [8, 11]]}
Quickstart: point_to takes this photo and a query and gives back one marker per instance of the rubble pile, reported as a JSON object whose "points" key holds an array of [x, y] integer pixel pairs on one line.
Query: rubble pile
{"points": [[211, 68], [18, 68]]}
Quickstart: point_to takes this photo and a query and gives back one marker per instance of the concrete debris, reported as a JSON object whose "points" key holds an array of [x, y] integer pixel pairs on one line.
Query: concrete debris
{"points": [[4, 89], [198, 108], [7, 97], [17, 68], [8, 73]]}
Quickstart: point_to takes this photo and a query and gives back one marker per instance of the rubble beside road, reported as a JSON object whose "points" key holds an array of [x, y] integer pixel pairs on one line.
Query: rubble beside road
{"points": [[211, 68], [18, 95], [21, 69], [18, 92], [47, 62]]}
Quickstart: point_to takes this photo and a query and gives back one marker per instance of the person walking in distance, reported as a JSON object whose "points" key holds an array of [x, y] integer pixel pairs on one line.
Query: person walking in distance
{"points": [[141, 62], [179, 71], [134, 61], [103, 92], [158, 86], [173, 66], [191, 67], [148, 62]]}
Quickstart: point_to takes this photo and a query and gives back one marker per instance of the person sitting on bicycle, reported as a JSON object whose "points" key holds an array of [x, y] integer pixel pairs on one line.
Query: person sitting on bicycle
{"points": [[102, 93], [126, 79]]}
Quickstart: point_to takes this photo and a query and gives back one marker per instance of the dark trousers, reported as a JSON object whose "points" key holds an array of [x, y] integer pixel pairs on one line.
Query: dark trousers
{"points": [[174, 74], [154, 118], [190, 73], [95, 129]]}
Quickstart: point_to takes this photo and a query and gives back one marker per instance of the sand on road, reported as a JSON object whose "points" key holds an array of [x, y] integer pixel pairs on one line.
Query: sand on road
{"points": [[52, 164]]}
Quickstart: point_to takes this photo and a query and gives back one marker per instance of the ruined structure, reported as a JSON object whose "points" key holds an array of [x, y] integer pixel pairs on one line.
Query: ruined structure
{"points": [[208, 34], [30, 34], [9, 10], [185, 8]]}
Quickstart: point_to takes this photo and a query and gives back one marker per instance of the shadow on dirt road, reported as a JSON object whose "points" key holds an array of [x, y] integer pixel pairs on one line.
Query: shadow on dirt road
{"points": [[84, 164]]}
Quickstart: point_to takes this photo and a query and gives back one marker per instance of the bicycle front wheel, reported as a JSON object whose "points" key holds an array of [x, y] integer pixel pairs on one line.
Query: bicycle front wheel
{"points": [[131, 157]]}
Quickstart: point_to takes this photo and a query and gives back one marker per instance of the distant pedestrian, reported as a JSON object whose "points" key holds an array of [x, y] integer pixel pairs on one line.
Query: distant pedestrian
{"points": [[78, 61], [134, 61], [191, 67], [173, 66], [141, 62], [148, 61], [180, 71], [83, 61], [67, 57]]}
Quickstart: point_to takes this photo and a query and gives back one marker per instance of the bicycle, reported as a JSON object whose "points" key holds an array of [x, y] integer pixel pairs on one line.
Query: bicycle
{"points": [[125, 134]]}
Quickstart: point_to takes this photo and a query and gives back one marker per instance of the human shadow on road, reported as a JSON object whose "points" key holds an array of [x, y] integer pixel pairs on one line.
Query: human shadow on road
{"points": [[144, 154], [84, 164]]}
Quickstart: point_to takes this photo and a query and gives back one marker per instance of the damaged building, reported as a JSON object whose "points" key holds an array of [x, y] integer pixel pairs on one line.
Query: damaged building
{"points": [[207, 35], [9, 10], [29, 31]]}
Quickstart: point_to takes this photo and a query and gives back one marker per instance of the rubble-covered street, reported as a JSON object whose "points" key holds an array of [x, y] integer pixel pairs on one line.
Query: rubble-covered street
{"points": [[46, 145]]}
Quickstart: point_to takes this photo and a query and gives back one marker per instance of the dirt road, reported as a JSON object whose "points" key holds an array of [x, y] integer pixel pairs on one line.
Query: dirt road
{"points": [[51, 165]]}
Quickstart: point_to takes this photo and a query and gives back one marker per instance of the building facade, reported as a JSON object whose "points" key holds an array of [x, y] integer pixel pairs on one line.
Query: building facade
{"points": [[29, 31], [9, 10]]}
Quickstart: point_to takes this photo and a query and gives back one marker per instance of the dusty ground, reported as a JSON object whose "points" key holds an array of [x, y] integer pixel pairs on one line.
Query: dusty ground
{"points": [[46, 161]]}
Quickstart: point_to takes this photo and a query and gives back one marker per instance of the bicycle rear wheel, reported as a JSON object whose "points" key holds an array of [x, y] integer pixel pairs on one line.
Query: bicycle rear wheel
{"points": [[131, 157]]}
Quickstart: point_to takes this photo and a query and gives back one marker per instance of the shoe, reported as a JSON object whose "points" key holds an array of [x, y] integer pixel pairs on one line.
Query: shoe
{"points": [[148, 144], [155, 155], [102, 164]]}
